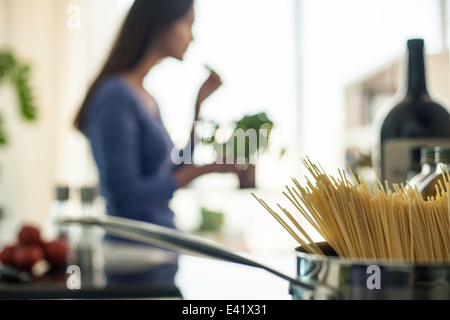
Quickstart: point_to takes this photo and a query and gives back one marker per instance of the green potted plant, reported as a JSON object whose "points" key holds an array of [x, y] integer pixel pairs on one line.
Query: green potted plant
{"points": [[18, 75], [212, 221], [249, 138]]}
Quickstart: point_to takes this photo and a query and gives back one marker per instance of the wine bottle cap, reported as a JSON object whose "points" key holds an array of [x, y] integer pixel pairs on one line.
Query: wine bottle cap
{"points": [[88, 194], [416, 44], [62, 193]]}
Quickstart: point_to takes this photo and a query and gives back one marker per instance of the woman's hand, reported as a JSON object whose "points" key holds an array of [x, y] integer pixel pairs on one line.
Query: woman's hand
{"points": [[246, 175], [207, 89]]}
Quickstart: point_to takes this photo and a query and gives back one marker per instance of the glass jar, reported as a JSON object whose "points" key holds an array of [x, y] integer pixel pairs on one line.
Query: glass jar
{"points": [[60, 207], [427, 164], [431, 186]]}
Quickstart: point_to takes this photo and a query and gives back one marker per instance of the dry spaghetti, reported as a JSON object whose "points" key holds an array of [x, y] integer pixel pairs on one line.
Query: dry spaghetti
{"points": [[358, 222]]}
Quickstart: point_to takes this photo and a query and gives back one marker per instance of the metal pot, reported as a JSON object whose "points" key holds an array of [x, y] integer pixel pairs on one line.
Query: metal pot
{"points": [[355, 279], [318, 277]]}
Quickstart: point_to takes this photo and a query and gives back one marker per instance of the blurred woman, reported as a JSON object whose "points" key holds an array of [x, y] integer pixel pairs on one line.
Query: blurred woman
{"points": [[130, 144]]}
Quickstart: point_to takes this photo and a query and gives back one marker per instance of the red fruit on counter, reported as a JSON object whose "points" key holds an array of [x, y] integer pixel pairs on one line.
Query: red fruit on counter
{"points": [[24, 257], [29, 235], [56, 253], [6, 255]]}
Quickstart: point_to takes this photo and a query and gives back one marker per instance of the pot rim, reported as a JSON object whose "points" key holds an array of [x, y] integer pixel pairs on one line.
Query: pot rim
{"points": [[366, 262]]}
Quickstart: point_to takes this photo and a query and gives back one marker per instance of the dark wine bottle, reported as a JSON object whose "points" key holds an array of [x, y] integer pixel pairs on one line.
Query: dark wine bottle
{"points": [[409, 123]]}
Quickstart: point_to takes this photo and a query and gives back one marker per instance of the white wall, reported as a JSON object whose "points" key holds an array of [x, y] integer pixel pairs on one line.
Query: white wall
{"points": [[342, 41], [62, 60]]}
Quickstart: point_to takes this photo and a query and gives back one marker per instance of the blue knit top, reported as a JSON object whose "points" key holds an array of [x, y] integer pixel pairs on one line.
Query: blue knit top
{"points": [[132, 150]]}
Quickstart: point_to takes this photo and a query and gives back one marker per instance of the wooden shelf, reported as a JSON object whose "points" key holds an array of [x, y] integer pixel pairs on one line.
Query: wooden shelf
{"points": [[366, 95]]}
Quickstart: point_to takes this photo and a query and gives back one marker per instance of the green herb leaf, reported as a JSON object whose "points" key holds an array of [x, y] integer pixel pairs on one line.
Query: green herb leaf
{"points": [[18, 74]]}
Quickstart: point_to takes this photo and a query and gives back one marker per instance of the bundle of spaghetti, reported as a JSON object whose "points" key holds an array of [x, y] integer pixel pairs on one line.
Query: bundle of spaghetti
{"points": [[388, 224]]}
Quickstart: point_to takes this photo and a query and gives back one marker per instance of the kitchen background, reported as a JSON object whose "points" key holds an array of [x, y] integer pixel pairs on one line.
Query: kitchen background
{"points": [[320, 69]]}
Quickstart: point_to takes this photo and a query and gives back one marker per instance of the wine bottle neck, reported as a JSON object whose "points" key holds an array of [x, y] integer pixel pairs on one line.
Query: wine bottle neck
{"points": [[416, 71]]}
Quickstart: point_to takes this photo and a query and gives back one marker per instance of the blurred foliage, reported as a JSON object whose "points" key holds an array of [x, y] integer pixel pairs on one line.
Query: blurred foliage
{"points": [[18, 75], [3, 139], [258, 123], [212, 221]]}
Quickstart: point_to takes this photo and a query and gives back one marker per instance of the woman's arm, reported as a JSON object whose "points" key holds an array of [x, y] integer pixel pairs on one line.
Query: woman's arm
{"points": [[188, 173], [207, 89]]}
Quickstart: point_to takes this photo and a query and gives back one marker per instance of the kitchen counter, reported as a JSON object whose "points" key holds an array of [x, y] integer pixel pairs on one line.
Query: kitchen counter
{"points": [[200, 278], [134, 271]]}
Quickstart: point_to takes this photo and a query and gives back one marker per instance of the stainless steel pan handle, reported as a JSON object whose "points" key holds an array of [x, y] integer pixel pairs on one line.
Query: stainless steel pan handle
{"points": [[184, 243]]}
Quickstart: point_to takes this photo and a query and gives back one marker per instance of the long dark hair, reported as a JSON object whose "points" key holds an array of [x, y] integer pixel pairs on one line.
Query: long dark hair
{"points": [[145, 21]]}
